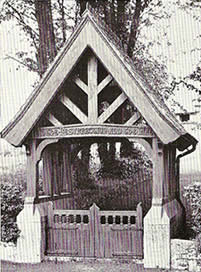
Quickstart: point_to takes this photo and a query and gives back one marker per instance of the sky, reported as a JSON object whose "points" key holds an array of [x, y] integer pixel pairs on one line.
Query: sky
{"points": [[180, 31]]}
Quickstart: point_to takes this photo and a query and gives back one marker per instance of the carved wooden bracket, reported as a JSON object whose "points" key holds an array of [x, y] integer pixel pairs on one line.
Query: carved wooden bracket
{"points": [[42, 146]]}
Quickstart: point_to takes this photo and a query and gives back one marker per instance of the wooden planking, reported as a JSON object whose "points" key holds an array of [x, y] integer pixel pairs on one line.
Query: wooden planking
{"points": [[112, 108], [81, 84], [94, 239], [92, 88], [73, 108], [136, 116], [104, 83], [50, 117], [67, 175]]}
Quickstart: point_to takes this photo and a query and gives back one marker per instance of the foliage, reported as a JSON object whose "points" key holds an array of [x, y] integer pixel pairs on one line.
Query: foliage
{"points": [[29, 17], [192, 193], [123, 17], [119, 185], [12, 198]]}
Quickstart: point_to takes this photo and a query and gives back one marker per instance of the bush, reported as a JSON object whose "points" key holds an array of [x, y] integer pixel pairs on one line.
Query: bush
{"points": [[12, 199], [115, 186], [192, 193]]}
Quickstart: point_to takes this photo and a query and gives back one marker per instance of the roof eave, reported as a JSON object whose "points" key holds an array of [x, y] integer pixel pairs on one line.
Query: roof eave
{"points": [[185, 141]]}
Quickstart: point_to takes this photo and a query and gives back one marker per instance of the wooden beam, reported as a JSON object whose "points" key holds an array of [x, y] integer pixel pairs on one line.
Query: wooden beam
{"points": [[112, 108], [92, 88], [47, 172], [104, 83], [67, 175], [81, 84], [136, 116], [42, 146], [101, 130], [158, 173], [73, 108], [32, 171], [50, 117]]}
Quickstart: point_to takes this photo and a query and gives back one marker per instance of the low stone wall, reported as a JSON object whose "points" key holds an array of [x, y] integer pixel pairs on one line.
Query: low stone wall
{"points": [[184, 255]]}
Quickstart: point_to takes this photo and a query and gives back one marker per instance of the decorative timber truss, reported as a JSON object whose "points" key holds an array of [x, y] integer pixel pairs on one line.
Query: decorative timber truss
{"points": [[92, 104]]}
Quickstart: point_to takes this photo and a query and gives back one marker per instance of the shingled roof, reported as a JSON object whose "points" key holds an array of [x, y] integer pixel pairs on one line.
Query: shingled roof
{"points": [[91, 32]]}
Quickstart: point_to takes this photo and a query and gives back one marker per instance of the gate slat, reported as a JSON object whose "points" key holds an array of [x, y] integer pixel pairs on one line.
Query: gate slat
{"points": [[95, 238]]}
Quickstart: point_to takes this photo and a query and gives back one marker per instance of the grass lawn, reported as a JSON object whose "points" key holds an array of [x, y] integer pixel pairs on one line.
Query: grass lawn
{"points": [[50, 266]]}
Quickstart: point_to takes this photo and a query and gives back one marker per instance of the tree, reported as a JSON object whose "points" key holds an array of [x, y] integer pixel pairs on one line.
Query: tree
{"points": [[47, 46], [44, 33], [123, 17]]}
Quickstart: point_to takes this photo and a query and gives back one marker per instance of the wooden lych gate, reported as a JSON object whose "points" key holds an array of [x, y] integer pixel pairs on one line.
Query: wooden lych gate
{"points": [[95, 233], [92, 93]]}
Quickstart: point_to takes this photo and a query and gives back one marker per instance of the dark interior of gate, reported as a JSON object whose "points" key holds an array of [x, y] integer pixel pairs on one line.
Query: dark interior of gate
{"points": [[95, 183]]}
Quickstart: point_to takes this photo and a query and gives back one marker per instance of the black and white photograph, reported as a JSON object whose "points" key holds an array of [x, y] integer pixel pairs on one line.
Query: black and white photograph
{"points": [[100, 135]]}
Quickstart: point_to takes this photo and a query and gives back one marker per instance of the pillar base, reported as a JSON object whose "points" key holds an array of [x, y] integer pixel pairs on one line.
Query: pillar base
{"points": [[31, 243], [160, 223]]}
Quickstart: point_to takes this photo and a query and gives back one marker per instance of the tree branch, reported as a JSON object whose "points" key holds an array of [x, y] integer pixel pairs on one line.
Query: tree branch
{"points": [[22, 63], [22, 22]]}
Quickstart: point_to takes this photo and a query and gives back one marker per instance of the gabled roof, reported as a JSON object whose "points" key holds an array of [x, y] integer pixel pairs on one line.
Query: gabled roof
{"points": [[93, 34]]}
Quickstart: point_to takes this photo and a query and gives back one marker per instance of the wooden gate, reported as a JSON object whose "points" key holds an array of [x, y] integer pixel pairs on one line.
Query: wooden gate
{"points": [[95, 233]]}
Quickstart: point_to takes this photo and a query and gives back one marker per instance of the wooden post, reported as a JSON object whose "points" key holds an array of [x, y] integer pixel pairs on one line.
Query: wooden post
{"points": [[93, 90], [56, 173], [158, 173], [32, 173], [95, 231], [47, 172], [139, 216], [167, 174], [67, 176]]}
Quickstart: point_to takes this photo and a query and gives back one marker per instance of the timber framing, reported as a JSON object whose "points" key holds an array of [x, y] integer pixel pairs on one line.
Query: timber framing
{"points": [[106, 130], [92, 34]]}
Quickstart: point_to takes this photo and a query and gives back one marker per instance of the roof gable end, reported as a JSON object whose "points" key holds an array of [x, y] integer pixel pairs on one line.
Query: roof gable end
{"points": [[90, 34]]}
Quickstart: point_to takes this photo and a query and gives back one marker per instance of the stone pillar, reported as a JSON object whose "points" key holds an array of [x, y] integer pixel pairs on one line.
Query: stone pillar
{"points": [[31, 244]]}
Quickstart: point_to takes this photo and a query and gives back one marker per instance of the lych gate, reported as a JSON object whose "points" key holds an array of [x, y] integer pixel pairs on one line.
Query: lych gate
{"points": [[92, 91]]}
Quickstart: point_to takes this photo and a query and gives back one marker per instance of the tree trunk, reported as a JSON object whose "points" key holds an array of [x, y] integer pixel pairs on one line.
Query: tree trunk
{"points": [[121, 19], [82, 6], [47, 47], [134, 28], [63, 21]]}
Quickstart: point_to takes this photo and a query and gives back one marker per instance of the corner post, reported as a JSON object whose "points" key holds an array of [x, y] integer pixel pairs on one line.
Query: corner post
{"points": [[156, 221], [29, 219], [32, 173], [32, 219]]}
